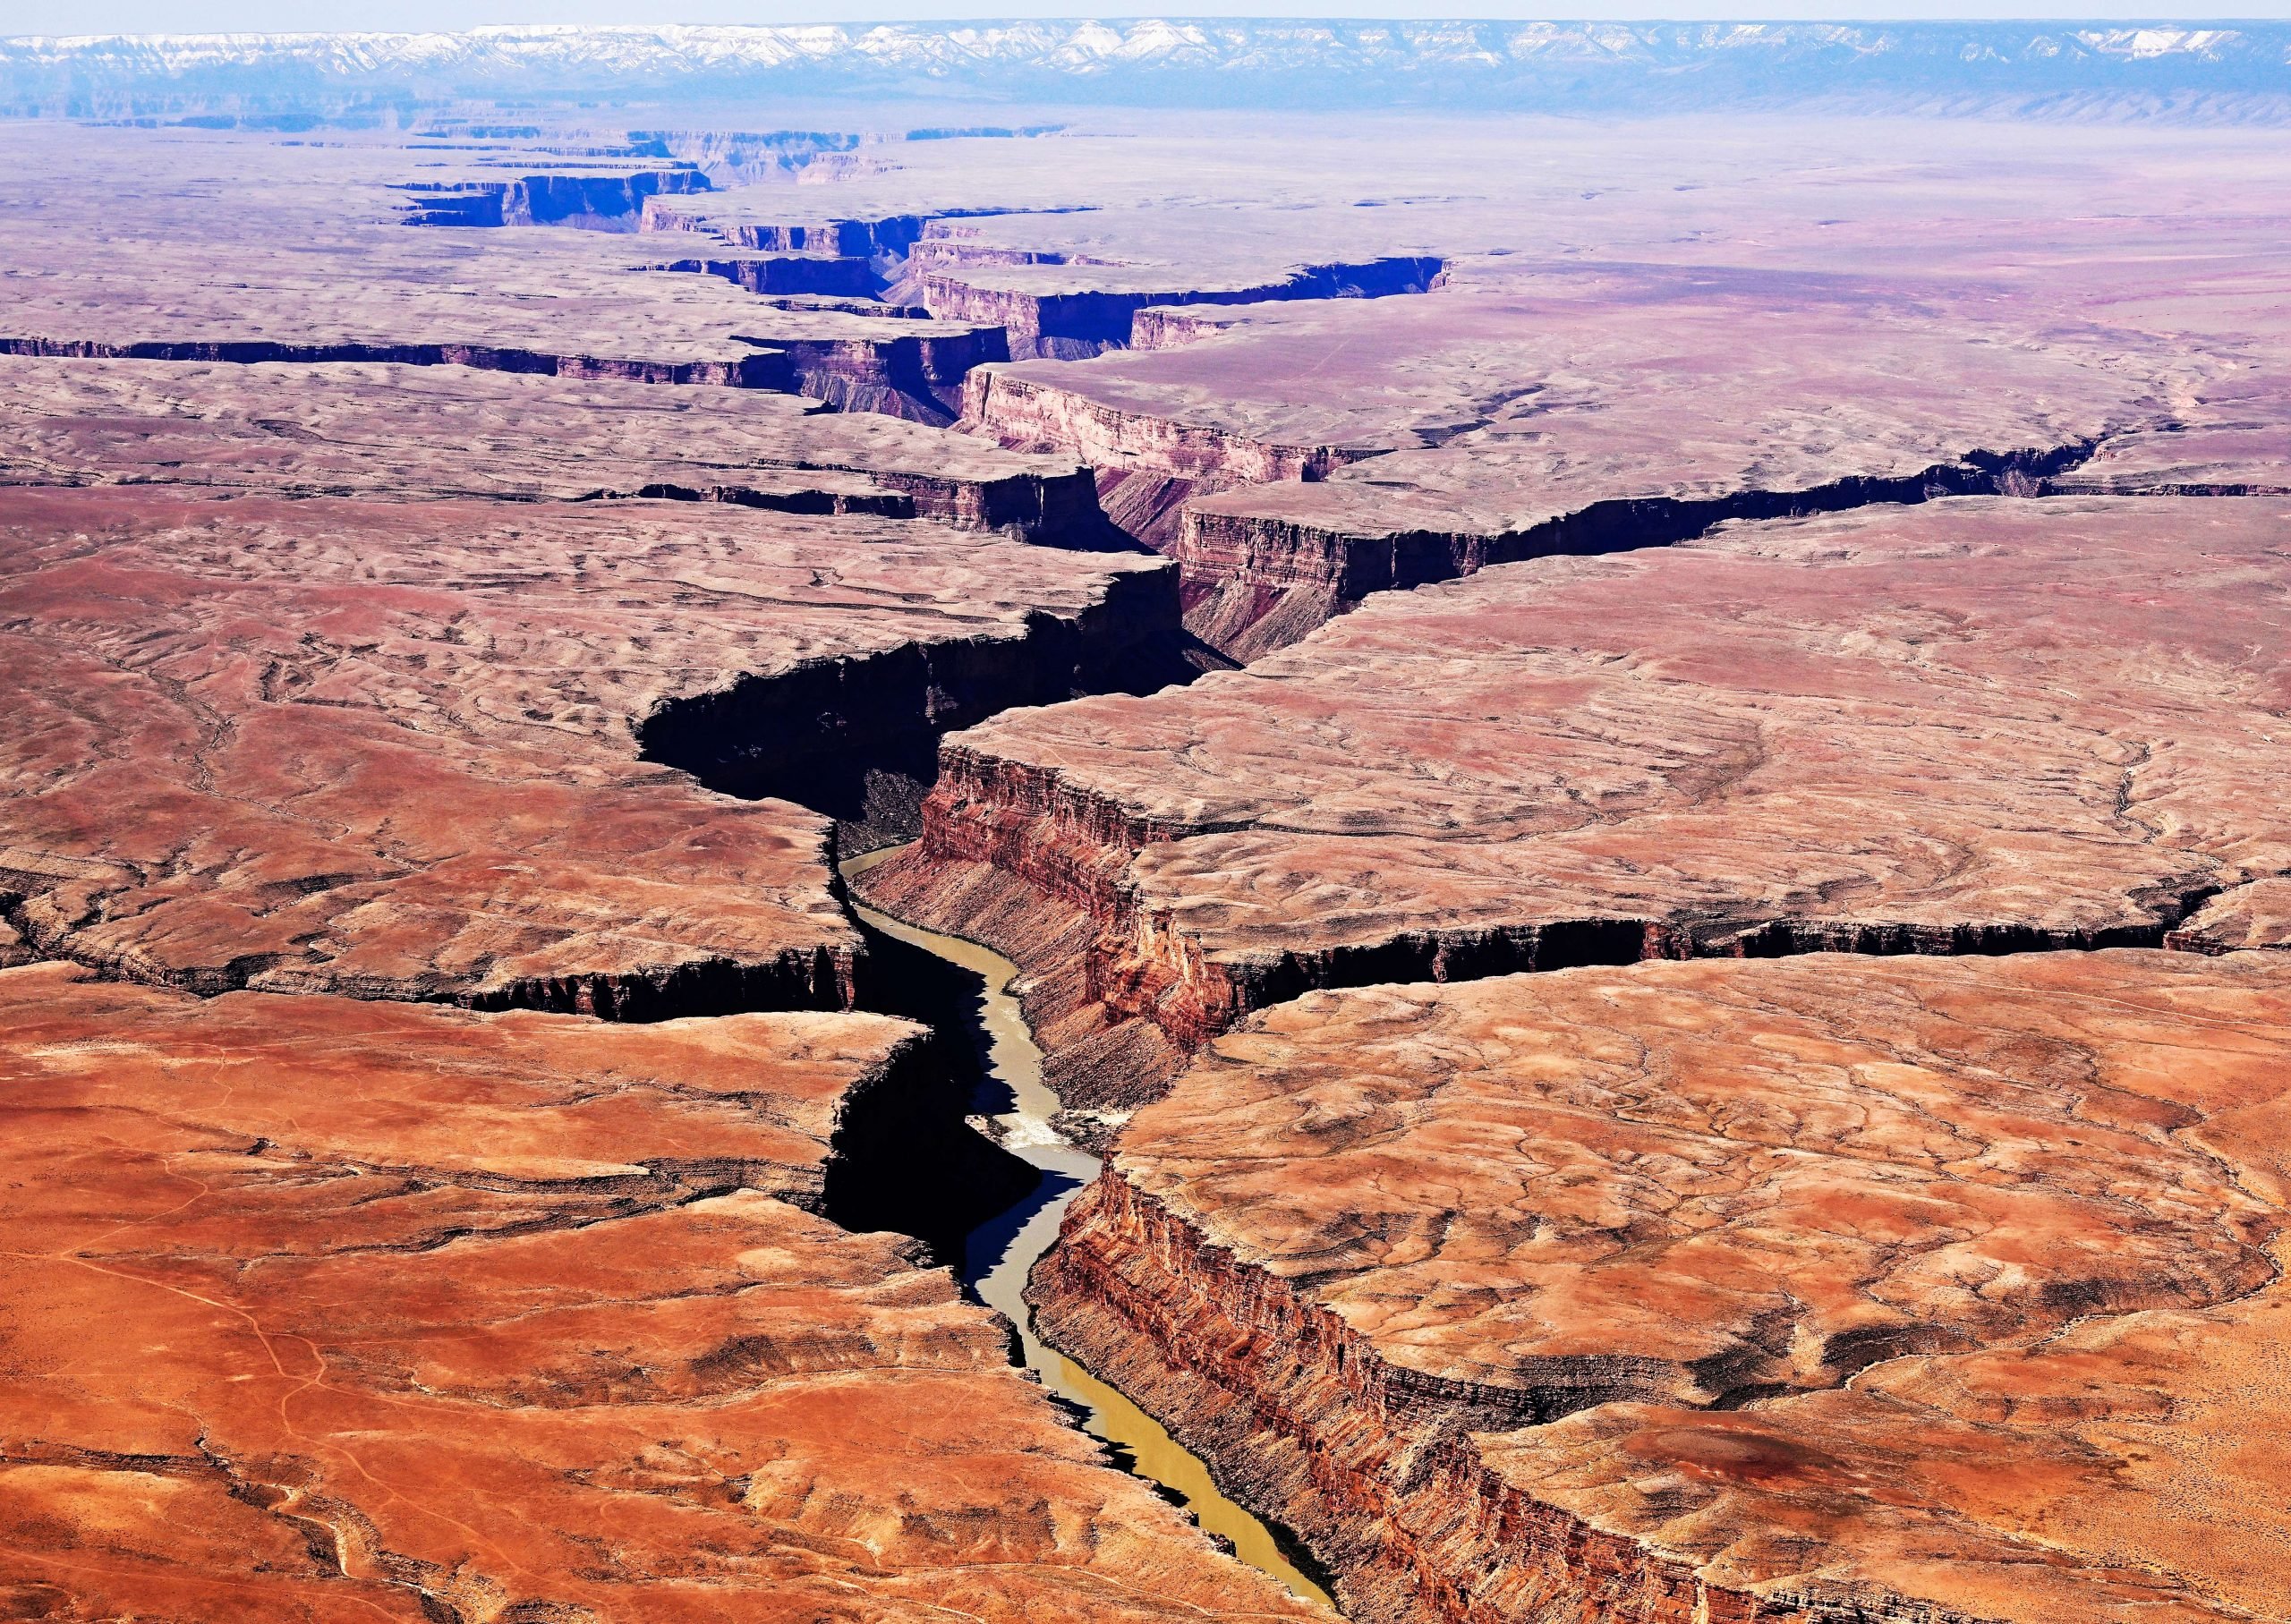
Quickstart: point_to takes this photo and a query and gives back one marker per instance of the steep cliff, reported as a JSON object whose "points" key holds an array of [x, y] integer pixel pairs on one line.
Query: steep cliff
{"points": [[836, 733], [1149, 465], [918, 375], [1066, 323], [785, 273], [1264, 567], [765, 370], [1297, 456], [597, 202], [345, 429]]}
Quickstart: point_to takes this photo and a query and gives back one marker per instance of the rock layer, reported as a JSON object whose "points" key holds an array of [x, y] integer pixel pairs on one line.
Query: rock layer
{"points": [[609, 202], [1724, 748], [1471, 1284], [1048, 311]]}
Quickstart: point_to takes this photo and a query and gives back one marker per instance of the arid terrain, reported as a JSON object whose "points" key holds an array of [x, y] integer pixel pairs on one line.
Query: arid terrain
{"points": [[1632, 772]]}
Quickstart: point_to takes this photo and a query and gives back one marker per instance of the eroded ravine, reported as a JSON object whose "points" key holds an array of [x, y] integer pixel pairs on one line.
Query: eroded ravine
{"points": [[1002, 1252]]}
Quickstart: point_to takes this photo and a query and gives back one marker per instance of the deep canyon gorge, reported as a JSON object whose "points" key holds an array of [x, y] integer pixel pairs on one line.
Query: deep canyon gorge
{"points": [[977, 854]]}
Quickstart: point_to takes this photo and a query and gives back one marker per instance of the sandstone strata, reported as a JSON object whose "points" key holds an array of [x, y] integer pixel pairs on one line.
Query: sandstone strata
{"points": [[1833, 1289], [1048, 311], [392, 749], [1969, 726], [322, 1309], [608, 200]]}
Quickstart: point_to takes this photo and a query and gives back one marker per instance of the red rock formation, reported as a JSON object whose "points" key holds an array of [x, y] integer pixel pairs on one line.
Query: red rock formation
{"points": [[1148, 466], [391, 749], [2253, 915], [907, 373], [1725, 748], [426, 1315], [1451, 1278], [726, 220]]}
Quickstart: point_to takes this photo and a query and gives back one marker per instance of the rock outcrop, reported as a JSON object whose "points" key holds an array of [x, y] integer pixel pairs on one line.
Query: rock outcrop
{"points": [[614, 200], [889, 235], [391, 749], [1825, 1289], [2253, 915], [791, 273], [421, 1314], [1050, 314], [904, 368], [1727, 748]]}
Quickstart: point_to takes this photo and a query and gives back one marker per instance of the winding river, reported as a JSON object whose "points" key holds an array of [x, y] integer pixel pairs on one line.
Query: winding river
{"points": [[1001, 1251]]}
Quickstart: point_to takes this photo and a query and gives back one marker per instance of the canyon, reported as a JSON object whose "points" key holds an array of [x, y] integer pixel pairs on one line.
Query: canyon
{"points": [[826, 859]]}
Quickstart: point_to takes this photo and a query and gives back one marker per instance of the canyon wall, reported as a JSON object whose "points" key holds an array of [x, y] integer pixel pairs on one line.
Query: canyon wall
{"points": [[604, 203], [767, 370], [828, 732], [1264, 569], [1067, 323], [346, 429]]}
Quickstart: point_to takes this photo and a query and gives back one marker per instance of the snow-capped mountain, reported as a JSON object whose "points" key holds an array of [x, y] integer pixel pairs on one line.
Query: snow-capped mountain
{"points": [[2066, 67]]}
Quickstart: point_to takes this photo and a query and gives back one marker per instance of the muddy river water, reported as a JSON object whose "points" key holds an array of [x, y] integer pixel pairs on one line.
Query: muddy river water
{"points": [[1001, 1251]]}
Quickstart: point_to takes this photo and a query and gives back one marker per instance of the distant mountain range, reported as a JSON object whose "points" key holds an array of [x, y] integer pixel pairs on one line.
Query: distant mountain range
{"points": [[2224, 72]]}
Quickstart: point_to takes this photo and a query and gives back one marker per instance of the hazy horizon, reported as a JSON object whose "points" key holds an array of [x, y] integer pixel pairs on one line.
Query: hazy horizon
{"points": [[89, 17]]}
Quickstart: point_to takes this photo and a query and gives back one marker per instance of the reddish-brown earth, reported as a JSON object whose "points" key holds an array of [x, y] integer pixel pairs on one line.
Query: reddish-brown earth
{"points": [[2253, 915], [392, 749], [1468, 1283], [1972, 725], [321, 1309]]}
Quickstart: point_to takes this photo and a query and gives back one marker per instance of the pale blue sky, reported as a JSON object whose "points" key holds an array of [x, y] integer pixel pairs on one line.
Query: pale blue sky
{"points": [[200, 16]]}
